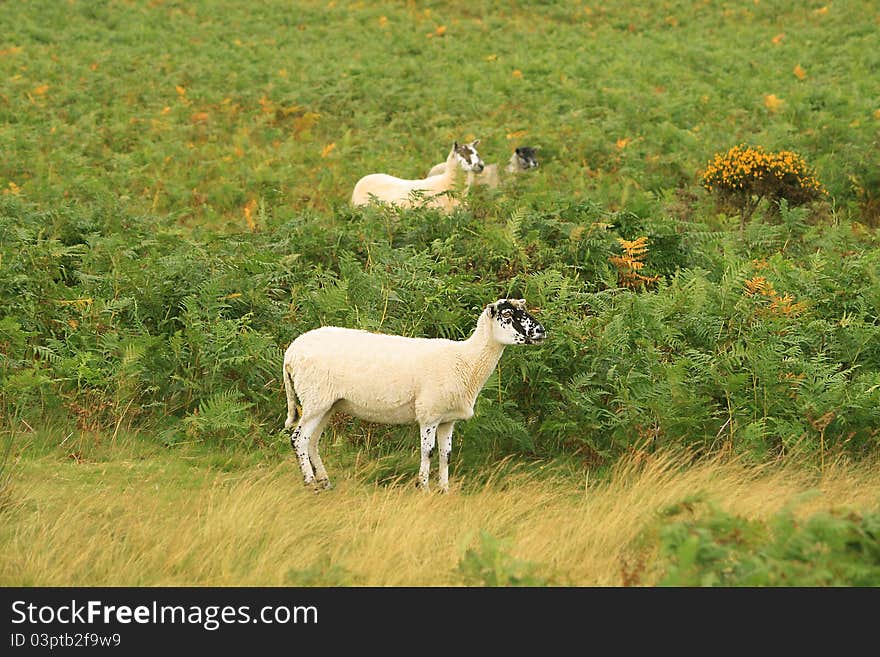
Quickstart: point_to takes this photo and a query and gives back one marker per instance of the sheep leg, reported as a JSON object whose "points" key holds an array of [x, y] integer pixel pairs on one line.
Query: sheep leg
{"points": [[300, 439], [322, 480], [444, 442], [429, 436], [291, 398]]}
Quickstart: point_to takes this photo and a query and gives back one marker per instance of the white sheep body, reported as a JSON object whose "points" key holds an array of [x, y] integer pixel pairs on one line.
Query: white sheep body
{"points": [[432, 191], [382, 378], [393, 379]]}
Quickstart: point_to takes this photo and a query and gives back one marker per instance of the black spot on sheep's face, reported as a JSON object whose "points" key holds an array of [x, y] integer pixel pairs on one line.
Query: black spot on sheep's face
{"points": [[525, 158], [467, 156], [513, 325]]}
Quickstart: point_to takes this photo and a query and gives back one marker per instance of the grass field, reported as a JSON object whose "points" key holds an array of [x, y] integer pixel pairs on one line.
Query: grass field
{"points": [[134, 516], [195, 109], [174, 185]]}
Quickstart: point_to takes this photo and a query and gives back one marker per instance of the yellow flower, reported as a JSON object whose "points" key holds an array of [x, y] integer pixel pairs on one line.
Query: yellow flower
{"points": [[772, 102]]}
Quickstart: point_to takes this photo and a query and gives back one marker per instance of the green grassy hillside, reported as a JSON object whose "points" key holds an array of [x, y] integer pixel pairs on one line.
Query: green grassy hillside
{"points": [[194, 109]]}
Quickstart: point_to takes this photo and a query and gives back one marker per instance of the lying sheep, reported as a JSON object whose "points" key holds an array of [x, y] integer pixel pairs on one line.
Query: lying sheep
{"points": [[433, 191], [396, 380], [523, 159]]}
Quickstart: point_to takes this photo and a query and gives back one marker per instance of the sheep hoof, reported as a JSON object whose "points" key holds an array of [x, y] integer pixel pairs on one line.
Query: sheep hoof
{"points": [[319, 485]]}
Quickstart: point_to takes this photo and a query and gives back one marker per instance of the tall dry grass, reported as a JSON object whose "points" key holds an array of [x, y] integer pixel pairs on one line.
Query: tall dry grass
{"points": [[260, 527]]}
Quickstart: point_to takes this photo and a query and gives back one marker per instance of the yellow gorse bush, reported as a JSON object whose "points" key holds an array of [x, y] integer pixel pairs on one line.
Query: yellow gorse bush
{"points": [[746, 167], [745, 174]]}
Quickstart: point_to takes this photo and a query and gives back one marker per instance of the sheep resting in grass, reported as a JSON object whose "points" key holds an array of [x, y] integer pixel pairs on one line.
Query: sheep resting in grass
{"points": [[432, 192], [523, 159], [393, 379]]}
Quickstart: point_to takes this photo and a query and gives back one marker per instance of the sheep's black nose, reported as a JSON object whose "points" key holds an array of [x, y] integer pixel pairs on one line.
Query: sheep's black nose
{"points": [[478, 168]]}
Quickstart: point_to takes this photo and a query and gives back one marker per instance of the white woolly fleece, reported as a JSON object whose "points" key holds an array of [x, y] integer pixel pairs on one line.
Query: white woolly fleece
{"points": [[399, 192], [390, 378]]}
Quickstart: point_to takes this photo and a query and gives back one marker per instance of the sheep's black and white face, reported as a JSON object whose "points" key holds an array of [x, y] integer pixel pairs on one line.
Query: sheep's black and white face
{"points": [[467, 156], [511, 323], [525, 158]]}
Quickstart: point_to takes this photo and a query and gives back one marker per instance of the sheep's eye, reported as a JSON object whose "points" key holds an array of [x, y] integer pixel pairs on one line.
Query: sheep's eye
{"points": [[506, 313]]}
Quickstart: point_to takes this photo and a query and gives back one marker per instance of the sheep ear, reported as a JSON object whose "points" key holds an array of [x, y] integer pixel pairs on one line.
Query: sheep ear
{"points": [[455, 145], [519, 303], [491, 308], [475, 142]]}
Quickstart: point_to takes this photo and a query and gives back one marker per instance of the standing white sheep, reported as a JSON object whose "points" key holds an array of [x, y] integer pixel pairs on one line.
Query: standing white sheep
{"points": [[523, 159], [396, 380], [433, 191]]}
